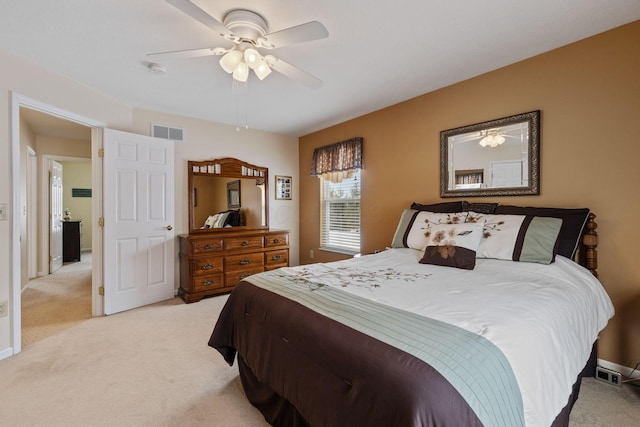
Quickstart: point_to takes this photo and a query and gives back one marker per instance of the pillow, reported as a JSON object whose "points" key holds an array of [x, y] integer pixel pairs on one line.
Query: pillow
{"points": [[453, 245], [222, 219], [413, 226], [485, 208], [523, 238], [233, 220], [573, 222], [444, 207], [211, 221]]}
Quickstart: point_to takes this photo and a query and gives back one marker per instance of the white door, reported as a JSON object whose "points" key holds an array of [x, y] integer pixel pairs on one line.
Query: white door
{"points": [[55, 216], [138, 220], [506, 174]]}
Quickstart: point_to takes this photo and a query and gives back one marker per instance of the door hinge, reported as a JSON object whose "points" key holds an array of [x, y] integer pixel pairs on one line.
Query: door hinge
{"points": [[101, 222], [101, 290], [101, 152]]}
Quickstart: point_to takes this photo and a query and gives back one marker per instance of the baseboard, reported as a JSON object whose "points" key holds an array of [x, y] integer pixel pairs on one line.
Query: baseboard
{"points": [[624, 370], [7, 352]]}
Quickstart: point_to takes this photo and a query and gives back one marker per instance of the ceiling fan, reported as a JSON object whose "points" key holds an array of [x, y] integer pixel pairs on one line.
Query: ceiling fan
{"points": [[248, 32]]}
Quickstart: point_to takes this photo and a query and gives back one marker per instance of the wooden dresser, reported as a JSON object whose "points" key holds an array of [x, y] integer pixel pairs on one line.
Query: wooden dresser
{"points": [[213, 263]]}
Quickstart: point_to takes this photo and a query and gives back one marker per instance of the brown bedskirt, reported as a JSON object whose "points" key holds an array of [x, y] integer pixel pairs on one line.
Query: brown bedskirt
{"points": [[300, 368]]}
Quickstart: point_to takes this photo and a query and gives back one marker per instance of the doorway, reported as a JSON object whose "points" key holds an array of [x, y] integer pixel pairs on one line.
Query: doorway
{"points": [[56, 294], [21, 105]]}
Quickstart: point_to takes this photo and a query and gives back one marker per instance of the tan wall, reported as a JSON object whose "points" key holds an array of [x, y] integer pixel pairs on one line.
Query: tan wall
{"points": [[78, 175], [589, 96]]}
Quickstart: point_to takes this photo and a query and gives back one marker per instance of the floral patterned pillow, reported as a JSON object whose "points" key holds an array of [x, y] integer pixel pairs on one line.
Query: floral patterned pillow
{"points": [[523, 238], [416, 234], [453, 245]]}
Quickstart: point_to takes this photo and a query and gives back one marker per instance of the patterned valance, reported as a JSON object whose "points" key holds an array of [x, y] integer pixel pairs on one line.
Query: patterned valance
{"points": [[341, 157]]}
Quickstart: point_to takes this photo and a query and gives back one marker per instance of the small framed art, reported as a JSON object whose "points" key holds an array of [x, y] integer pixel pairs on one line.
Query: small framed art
{"points": [[283, 187]]}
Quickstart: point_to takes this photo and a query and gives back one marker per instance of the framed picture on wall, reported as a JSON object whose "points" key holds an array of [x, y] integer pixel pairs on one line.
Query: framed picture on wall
{"points": [[233, 194], [283, 187]]}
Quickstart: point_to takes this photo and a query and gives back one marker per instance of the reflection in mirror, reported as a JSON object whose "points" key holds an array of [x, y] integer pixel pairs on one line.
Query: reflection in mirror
{"points": [[494, 158], [227, 196]]}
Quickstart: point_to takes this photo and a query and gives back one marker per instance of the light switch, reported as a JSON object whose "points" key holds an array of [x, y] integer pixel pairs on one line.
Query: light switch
{"points": [[4, 211]]}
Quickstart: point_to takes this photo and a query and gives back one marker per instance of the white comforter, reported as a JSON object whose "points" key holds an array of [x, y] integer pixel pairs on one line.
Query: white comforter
{"points": [[544, 318]]}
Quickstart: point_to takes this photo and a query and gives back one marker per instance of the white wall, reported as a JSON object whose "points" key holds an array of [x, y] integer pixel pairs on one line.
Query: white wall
{"points": [[204, 140]]}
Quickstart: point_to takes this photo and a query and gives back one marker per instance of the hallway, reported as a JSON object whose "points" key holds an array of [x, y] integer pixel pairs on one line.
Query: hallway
{"points": [[54, 303]]}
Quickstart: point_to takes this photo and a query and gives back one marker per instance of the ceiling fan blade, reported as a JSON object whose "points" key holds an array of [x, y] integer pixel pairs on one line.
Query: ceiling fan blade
{"points": [[191, 53], [203, 17], [299, 34], [293, 73]]}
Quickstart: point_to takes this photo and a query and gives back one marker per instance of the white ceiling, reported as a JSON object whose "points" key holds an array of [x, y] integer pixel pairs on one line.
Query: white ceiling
{"points": [[378, 53]]}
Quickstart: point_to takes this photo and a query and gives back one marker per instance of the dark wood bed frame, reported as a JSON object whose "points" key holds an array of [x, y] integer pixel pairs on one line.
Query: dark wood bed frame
{"points": [[588, 257]]}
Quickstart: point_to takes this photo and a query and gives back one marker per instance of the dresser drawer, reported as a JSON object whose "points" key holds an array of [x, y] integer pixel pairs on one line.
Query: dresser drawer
{"points": [[204, 246], [243, 262], [202, 266], [204, 283], [232, 278], [238, 243], [276, 258], [276, 240]]}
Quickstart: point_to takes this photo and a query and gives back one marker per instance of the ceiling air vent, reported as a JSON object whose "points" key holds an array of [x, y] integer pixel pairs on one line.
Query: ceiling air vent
{"points": [[166, 132]]}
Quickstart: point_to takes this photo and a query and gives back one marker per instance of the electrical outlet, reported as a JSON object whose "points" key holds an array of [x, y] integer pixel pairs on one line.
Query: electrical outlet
{"points": [[4, 211], [608, 376], [311, 254], [4, 308]]}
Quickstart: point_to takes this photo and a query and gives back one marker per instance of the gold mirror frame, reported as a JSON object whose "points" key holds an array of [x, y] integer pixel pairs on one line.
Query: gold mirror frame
{"points": [[476, 132], [229, 170]]}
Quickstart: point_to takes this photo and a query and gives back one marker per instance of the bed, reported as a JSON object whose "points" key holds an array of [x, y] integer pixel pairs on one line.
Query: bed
{"points": [[444, 328]]}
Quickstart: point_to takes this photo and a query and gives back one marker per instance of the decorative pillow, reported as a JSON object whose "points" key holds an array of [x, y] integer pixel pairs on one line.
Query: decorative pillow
{"points": [[222, 219], [415, 236], [453, 245], [211, 221], [573, 221], [485, 208], [406, 219], [523, 238], [444, 207]]}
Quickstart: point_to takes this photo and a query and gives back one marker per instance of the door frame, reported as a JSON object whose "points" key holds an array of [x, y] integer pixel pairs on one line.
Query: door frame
{"points": [[43, 217], [18, 101]]}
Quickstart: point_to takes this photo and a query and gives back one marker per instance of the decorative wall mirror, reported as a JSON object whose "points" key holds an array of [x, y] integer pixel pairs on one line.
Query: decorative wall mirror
{"points": [[227, 194], [494, 158]]}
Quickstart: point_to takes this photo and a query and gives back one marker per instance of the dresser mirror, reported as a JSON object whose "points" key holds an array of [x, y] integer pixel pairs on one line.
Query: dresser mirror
{"points": [[227, 194], [494, 158]]}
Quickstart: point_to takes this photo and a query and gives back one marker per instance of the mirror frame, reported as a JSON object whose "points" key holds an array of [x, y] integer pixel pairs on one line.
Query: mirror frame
{"points": [[532, 119], [226, 168]]}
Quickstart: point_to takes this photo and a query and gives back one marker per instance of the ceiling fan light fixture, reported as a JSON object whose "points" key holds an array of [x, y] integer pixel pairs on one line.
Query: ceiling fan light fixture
{"points": [[241, 73], [230, 61], [252, 57], [492, 140], [262, 70]]}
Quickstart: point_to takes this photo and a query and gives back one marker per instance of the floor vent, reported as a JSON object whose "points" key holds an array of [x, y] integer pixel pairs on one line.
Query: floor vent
{"points": [[166, 132]]}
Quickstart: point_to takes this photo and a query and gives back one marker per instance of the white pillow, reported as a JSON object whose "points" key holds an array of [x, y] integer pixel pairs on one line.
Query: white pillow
{"points": [[417, 235], [523, 238], [211, 221]]}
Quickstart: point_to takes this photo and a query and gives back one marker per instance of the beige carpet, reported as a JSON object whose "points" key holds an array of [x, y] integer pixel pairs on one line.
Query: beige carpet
{"points": [[152, 367], [56, 302]]}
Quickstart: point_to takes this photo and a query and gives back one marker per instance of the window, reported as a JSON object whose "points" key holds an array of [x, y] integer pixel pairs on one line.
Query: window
{"points": [[340, 216]]}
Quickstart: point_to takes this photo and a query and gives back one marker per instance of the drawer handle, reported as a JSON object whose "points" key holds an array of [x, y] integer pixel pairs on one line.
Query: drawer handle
{"points": [[207, 283], [244, 261], [208, 266], [276, 257], [244, 275], [276, 240], [244, 243], [207, 246]]}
